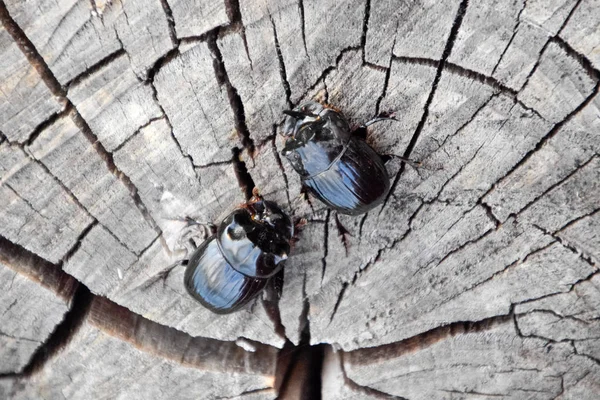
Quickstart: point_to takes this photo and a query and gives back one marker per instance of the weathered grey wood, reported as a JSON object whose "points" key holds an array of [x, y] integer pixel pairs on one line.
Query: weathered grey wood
{"points": [[197, 106], [564, 316], [458, 99], [558, 85], [142, 29], [264, 394], [37, 212], [73, 35], [485, 32], [70, 157], [34, 297], [306, 269], [575, 197], [256, 76], [25, 101], [583, 31], [572, 145], [111, 270], [327, 30], [114, 103], [406, 94], [197, 17], [485, 361], [68, 48], [417, 29], [169, 185], [538, 21], [336, 385], [584, 235], [477, 277], [147, 360]]}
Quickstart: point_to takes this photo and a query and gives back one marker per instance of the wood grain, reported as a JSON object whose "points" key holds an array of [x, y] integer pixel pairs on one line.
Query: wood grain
{"points": [[477, 277]]}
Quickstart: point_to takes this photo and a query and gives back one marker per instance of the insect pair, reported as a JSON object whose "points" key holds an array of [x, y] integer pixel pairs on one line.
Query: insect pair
{"points": [[234, 265]]}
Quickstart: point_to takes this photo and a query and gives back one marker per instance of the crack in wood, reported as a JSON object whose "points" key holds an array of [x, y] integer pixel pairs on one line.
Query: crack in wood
{"points": [[499, 272], [303, 323], [582, 59], [37, 61], [279, 163], [282, 70], [327, 71], [45, 124], [343, 234], [68, 191], [462, 8], [37, 269], [168, 122], [266, 390], [235, 100], [232, 7], [361, 225], [337, 303], [170, 22], [365, 27], [388, 71], [576, 220], [63, 332], [79, 240], [244, 178], [553, 186], [550, 40], [488, 210], [32, 55], [560, 316], [366, 390], [104, 62], [457, 249], [3, 334], [566, 245], [300, 372], [325, 245], [515, 30], [373, 355], [270, 302], [303, 25], [553, 131]]}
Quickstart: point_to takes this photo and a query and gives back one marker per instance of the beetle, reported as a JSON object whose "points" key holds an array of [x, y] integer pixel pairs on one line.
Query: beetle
{"points": [[234, 265], [335, 165]]}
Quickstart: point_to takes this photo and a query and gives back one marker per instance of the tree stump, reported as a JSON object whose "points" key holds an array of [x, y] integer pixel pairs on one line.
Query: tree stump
{"points": [[477, 277]]}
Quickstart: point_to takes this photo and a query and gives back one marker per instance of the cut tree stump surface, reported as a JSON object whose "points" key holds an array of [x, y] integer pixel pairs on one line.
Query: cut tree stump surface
{"points": [[477, 278]]}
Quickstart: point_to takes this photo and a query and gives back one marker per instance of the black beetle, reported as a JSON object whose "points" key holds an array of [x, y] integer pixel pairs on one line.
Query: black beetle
{"points": [[335, 165], [234, 265]]}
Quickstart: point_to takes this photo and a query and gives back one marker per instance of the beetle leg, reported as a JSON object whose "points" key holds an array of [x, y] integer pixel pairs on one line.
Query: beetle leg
{"points": [[361, 130], [192, 234], [412, 163], [385, 116], [300, 223], [164, 274]]}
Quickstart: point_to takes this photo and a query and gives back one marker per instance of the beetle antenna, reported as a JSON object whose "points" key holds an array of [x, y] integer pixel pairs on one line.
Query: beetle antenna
{"points": [[294, 114], [164, 274]]}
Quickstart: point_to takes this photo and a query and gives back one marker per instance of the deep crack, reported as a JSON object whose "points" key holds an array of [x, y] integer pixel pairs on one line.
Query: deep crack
{"points": [[446, 53]]}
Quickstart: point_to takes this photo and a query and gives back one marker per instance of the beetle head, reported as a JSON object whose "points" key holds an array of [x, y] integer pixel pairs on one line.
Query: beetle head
{"points": [[302, 116]]}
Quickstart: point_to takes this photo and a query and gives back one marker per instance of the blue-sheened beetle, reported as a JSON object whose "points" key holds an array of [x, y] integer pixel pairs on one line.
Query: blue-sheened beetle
{"points": [[234, 265], [335, 165]]}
